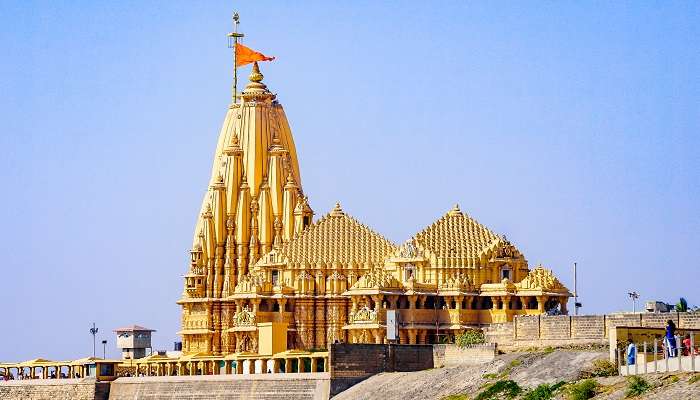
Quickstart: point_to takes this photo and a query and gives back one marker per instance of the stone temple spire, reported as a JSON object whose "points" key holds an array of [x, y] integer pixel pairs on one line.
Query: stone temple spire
{"points": [[254, 161]]}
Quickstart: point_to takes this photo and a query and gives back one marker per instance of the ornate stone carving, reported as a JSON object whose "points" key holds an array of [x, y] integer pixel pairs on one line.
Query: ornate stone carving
{"points": [[251, 283], [244, 317], [540, 278], [377, 278], [458, 281], [364, 315], [408, 250]]}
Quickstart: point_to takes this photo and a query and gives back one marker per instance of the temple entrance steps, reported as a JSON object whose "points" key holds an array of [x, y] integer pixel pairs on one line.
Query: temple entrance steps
{"points": [[304, 386]]}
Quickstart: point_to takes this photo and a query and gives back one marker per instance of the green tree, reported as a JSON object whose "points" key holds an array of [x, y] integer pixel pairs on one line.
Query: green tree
{"points": [[682, 305]]}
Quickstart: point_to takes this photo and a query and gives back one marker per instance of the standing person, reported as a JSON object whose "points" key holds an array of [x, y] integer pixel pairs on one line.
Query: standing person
{"points": [[631, 353], [687, 346], [670, 338]]}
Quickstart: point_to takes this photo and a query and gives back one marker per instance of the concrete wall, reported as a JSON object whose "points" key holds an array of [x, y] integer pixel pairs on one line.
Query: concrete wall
{"points": [[352, 363], [449, 355], [54, 389], [307, 386], [565, 330]]}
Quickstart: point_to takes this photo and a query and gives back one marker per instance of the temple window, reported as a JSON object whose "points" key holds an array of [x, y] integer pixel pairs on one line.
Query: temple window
{"points": [[506, 272], [275, 277], [409, 272]]}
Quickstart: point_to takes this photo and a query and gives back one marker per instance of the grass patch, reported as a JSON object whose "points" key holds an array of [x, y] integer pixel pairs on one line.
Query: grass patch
{"points": [[507, 389], [490, 376], [600, 368], [693, 379], [582, 390], [548, 349], [604, 368], [506, 371], [456, 397], [542, 392], [636, 385]]}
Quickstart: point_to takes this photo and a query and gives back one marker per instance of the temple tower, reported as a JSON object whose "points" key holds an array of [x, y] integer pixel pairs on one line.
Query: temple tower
{"points": [[254, 203]]}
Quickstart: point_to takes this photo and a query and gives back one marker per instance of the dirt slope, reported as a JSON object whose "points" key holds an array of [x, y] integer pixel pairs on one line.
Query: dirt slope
{"points": [[527, 369]]}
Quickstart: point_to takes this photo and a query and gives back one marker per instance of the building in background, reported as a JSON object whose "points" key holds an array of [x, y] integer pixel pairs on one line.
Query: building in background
{"points": [[133, 341]]}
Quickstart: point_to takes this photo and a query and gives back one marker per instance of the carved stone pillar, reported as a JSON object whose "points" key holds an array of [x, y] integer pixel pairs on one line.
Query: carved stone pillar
{"points": [[320, 324], [304, 317], [540, 303], [412, 302], [216, 326], [281, 302], [562, 303], [336, 318]]}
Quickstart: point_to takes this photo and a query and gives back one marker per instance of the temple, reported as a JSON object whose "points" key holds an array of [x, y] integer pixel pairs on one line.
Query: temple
{"points": [[265, 278]]}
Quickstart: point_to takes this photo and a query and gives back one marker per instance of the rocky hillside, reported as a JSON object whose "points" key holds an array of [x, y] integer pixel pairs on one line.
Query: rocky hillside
{"points": [[519, 372]]}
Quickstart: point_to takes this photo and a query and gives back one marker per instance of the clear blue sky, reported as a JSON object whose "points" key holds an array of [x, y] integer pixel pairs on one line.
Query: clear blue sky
{"points": [[571, 127]]}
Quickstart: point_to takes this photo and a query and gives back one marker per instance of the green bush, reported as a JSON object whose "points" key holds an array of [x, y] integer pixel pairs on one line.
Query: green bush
{"points": [[469, 337], [636, 385], [508, 389], [542, 392], [694, 378], [583, 390]]}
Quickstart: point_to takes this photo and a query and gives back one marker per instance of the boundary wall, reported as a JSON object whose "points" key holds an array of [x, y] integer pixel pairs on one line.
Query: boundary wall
{"points": [[450, 355], [567, 330], [353, 363], [54, 389]]}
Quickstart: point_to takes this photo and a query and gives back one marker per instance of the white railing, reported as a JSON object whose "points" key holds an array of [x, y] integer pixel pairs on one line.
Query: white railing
{"points": [[683, 356]]}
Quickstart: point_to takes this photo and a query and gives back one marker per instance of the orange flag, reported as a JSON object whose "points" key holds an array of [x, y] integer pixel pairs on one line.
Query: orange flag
{"points": [[246, 55]]}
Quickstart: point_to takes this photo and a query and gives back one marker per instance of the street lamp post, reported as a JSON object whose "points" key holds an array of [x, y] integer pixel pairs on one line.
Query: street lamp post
{"points": [[634, 296], [93, 331], [104, 349]]}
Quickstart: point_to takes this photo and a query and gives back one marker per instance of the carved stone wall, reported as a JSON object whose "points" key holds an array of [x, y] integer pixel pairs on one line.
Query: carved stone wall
{"points": [[304, 316]]}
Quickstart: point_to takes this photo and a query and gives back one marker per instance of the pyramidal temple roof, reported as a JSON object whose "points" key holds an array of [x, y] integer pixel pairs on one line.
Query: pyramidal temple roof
{"points": [[337, 237], [456, 235]]}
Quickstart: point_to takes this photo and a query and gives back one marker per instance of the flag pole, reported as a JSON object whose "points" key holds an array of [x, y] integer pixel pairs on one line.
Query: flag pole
{"points": [[233, 41]]}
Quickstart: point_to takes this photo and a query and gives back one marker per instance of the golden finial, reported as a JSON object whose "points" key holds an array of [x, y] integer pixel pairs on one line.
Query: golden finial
{"points": [[255, 75], [256, 89], [337, 211]]}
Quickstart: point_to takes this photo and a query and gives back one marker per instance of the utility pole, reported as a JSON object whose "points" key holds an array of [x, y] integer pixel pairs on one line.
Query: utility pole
{"points": [[93, 330], [634, 296], [104, 349], [576, 303]]}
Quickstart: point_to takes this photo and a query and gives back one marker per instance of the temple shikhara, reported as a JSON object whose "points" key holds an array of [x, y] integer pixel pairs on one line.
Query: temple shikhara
{"points": [[265, 277]]}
